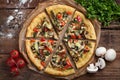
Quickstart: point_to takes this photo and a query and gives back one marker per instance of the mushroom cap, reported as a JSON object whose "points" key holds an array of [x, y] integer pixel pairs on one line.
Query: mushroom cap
{"points": [[110, 55], [92, 69], [100, 63], [100, 51]]}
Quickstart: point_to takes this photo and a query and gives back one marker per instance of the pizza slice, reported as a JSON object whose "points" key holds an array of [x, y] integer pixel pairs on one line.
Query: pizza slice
{"points": [[80, 28], [60, 64], [39, 51], [81, 51], [60, 14], [41, 27]]}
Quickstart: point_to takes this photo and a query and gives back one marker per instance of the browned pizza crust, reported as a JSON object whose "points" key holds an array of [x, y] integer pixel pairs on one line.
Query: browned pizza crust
{"points": [[37, 20], [59, 8], [31, 55], [53, 71], [86, 56]]}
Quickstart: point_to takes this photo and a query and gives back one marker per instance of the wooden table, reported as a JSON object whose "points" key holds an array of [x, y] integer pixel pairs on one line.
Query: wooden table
{"points": [[110, 38]]}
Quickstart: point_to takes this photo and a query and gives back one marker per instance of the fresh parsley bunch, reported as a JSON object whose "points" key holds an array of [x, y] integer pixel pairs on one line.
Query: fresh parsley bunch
{"points": [[104, 10]]}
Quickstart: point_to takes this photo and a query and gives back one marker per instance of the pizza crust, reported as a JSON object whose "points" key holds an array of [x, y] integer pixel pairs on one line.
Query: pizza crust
{"points": [[59, 8], [36, 21], [53, 71], [31, 55], [90, 27], [86, 57]]}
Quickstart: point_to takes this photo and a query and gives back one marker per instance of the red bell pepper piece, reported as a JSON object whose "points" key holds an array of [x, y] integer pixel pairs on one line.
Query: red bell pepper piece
{"points": [[35, 29]]}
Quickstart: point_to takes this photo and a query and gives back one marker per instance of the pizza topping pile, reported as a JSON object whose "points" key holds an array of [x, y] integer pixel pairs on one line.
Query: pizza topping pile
{"points": [[60, 19], [60, 60], [44, 29], [61, 40]]}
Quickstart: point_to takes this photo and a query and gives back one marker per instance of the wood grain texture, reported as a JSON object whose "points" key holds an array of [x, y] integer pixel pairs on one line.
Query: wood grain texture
{"points": [[7, 4], [111, 72], [110, 38]]}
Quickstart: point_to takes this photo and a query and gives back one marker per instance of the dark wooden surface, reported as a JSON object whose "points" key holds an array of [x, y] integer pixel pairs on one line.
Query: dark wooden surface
{"points": [[110, 38]]}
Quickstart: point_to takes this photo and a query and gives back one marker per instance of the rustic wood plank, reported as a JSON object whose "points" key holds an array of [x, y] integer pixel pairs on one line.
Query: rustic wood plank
{"points": [[111, 72], [110, 39], [113, 25], [9, 32], [25, 73], [17, 3]]}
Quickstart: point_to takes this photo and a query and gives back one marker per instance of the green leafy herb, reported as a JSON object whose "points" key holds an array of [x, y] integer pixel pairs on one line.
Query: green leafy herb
{"points": [[104, 10]]}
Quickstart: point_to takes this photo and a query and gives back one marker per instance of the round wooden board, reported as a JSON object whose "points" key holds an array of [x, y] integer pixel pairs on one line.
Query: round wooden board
{"points": [[40, 8]]}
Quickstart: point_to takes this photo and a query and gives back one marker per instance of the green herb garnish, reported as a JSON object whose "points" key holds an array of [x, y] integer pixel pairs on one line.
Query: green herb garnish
{"points": [[105, 11]]}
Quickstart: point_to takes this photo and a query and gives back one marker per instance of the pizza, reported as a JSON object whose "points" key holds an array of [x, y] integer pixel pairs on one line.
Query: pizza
{"points": [[60, 63], [59, 15], [40, 50], [80, 50], [41, 27], [80, 28], [55, 54]]}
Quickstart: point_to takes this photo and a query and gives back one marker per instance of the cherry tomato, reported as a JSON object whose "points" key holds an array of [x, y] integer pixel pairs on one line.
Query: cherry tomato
{"points": [[42, 39], [14, 54], [69, 12], [14, 71], [35, 29], [49, 49], [20, 62], [43, 63], [78, 18], [59, 16], [68, 62], [69, 65], [11, 62], [62, 53], [51, 41], [86, 49], [73, 36]]}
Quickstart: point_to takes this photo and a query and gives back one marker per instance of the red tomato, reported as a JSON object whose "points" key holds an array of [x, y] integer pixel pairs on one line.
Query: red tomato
{"points": [[43, 63], [86, 49], [59, 16], [11, 62], [49, 49], [67, 66], [42, 39], [20, 63], [68, 62], [35, 29], [73, 36], [51, 41], [14, 54], [79, 18], [14, 71], [62, 53], [69, 12]]}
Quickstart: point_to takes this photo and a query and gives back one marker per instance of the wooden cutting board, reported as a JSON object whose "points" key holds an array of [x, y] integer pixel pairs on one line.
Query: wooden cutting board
{"points": [[40, 8]]}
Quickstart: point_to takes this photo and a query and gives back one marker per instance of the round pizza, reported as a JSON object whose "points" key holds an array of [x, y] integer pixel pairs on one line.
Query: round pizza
{"points": [[60, 40]]}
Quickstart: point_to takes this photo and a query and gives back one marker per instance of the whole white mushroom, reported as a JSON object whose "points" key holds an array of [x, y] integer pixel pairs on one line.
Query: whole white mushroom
{"points": [[110, 55], [100, 51]]}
